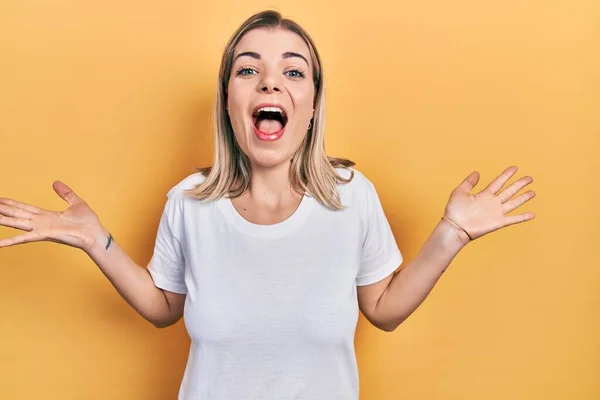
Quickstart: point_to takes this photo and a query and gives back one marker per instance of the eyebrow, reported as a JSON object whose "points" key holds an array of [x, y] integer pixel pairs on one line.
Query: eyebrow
{"points": [[287, 54]]}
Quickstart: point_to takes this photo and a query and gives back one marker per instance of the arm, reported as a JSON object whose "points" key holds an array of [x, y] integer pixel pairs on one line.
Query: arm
{"points": [[387, 303], [390, 301], [133, 282], [78, 226]]}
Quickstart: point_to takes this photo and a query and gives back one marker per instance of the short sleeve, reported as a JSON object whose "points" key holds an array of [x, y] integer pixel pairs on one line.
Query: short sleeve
{"points": [[380, 254], [167, 264]]}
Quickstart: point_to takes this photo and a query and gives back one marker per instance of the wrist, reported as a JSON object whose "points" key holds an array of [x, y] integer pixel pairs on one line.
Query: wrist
{"points": [[454, 233], [97, 238]]}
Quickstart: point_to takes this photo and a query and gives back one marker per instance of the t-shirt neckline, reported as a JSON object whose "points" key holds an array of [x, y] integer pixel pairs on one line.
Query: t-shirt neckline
{"points": [[275, 230]]}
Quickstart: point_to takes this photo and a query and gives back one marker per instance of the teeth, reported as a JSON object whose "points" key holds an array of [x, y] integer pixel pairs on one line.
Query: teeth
{"points": [[270, 109]]}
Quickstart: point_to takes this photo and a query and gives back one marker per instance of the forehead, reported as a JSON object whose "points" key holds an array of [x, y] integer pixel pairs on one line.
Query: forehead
{"points": [[272, 42]]}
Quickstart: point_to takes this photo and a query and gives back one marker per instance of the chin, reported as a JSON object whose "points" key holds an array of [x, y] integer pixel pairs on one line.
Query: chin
{"points": [[268, 158]]}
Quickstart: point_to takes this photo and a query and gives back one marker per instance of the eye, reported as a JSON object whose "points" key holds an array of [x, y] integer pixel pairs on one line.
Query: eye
{"points": [[295, 73], [246, 71]]}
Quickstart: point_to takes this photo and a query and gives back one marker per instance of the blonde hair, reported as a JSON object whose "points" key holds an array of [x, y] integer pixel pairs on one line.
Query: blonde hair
{"points": [[311, 170]]}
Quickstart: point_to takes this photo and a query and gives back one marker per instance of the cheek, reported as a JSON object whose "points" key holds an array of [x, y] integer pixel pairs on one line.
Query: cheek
{"points": [[236, 112], [236, 105], [237, 93], [303, 103]]}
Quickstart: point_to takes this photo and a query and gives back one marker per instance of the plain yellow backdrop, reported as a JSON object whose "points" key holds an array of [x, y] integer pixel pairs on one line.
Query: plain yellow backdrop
{"points": [[114, 98]]}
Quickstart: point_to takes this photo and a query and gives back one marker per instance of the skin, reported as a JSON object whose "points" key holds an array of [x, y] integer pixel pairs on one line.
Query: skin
{"points": [[274, 78], [387, 303], [270, 199]]}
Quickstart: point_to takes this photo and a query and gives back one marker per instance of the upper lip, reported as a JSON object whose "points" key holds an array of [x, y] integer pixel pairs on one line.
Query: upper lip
{"points": [[270, 105]]}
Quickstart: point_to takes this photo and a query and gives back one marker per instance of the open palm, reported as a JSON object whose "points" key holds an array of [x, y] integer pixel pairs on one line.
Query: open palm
{"points": [[73, 226], [484, 212]]}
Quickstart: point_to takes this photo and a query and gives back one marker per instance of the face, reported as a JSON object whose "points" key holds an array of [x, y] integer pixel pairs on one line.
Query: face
{"points": [[270, 95]]}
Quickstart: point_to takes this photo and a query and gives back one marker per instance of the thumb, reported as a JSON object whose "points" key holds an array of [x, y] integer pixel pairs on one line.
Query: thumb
{"points": [[66, 193], [469, 182]]}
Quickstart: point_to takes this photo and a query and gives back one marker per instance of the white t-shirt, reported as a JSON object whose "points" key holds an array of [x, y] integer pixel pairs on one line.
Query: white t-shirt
{"points": [[271, 310]]}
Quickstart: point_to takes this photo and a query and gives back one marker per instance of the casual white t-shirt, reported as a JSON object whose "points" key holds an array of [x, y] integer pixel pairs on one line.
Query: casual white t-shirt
{"points": [[271, 310]]}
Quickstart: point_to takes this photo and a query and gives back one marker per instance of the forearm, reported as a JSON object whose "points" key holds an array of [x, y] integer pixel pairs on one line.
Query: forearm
{"points": [[132, 281], [412, 284]]}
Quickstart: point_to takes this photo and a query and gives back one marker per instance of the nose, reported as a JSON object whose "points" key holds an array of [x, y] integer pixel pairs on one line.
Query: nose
{"points": [[269, 83]]}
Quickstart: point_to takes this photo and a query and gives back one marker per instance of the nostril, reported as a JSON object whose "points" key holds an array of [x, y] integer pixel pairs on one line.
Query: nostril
{"points": [[267, 89]]}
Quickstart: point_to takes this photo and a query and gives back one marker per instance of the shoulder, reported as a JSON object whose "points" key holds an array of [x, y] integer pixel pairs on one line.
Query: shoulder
{"points": [[358, 191], [189, 182], [358, 180]]}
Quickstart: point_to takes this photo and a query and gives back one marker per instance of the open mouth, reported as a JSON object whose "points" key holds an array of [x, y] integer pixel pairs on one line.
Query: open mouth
{"points": [[269, 119]]}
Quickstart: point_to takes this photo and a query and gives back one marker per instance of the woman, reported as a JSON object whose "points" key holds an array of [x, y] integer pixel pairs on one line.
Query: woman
{"points": [[271, 252]]}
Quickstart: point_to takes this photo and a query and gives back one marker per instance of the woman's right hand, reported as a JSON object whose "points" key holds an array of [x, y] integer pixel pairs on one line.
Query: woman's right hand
{"points": [[76, 226]]}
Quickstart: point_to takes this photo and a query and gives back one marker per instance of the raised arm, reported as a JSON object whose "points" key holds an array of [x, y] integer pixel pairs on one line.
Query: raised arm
{"points": [[387, 303], [78, 226]]}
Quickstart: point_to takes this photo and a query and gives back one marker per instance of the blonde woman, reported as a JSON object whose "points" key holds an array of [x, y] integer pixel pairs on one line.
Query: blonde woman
{"points": [[270, 254]]}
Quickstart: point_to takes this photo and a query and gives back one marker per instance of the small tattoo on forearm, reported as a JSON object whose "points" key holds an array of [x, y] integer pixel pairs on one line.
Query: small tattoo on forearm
{"points": [[110, 238]]}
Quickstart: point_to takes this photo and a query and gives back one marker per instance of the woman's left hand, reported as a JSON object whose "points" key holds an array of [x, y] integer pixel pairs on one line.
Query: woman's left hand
{"points": [[484, 212]]}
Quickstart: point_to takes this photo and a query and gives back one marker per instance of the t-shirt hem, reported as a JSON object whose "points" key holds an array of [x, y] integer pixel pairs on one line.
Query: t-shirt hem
{"points": [[161, 282], [382, 272]]}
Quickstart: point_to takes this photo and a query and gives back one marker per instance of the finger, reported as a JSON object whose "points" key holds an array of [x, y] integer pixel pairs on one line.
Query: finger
{"points": [[516, 219], [518, 201], [14, 212], [66, 193], [19, 223], [514, 188], [469, 183], [497, 183], [25, 238], [22, 206]]}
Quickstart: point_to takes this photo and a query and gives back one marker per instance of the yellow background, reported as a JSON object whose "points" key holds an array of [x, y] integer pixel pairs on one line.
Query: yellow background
{"points": [[114, 99]]}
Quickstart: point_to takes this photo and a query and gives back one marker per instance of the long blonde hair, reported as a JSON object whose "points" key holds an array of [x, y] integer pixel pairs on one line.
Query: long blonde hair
{"points": [[311, 170]]}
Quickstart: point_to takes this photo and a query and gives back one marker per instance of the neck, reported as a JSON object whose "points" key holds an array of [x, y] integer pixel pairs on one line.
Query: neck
{"points": [[271, 185]]}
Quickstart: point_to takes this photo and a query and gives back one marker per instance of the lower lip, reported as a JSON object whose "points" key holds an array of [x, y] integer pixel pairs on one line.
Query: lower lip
{"points": [[268, 136]]}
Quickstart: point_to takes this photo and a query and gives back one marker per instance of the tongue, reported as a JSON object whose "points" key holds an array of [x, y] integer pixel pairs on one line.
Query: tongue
{"points": [[269, 125]]}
